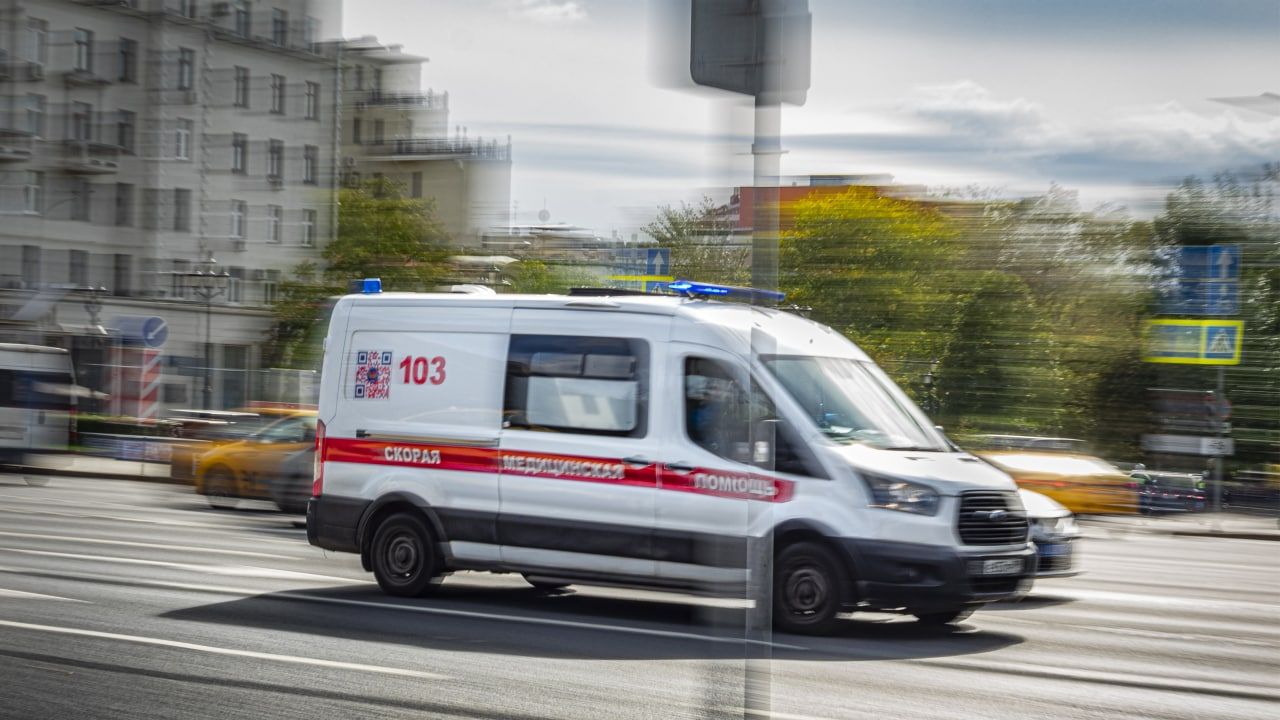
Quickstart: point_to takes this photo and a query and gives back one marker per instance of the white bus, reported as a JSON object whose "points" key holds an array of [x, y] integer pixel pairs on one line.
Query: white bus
{"points": [[36, 406]]}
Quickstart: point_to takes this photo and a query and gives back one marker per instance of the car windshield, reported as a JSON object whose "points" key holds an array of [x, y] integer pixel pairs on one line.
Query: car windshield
{"points": [[853, 401]]}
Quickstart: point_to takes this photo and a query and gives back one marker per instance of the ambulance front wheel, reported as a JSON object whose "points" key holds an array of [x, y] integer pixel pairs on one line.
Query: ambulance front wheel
{"points": [[808, 583], [403, 555]]}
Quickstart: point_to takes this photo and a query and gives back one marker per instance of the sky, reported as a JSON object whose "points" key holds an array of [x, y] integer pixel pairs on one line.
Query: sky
{"points": [[1111, 98]]}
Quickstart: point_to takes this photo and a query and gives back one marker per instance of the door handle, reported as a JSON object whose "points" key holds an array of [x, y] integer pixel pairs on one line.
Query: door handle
{"points": [[637, 461], [679, 467]]}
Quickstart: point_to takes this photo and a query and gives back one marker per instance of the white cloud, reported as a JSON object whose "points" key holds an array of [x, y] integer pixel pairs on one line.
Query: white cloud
{"points": [[548, 11]]}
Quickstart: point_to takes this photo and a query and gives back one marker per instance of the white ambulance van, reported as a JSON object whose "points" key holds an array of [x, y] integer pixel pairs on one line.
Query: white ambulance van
{"points": [[36, 402], [645, 441]]}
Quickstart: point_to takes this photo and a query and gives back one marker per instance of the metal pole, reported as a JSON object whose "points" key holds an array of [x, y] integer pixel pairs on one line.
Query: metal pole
{"points": [[767, 153], [1220, 402], [208, 350], [766, 150]]}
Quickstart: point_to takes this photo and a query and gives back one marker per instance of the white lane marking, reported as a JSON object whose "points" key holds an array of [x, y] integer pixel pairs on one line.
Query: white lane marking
{"points": [[1236, 687], [772, 714], [232, 570], [294, 659], [5, 592], [303, 597], [1153, 599], [162, 546], [185, 524]]}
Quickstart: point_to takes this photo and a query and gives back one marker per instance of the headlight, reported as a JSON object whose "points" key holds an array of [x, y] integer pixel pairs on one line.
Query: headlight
{"points": [[898, 494], [1054, 528]]}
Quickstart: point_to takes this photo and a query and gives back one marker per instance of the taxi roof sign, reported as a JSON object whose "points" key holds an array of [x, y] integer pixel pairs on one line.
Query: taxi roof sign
{"points": [[1193, 342]]}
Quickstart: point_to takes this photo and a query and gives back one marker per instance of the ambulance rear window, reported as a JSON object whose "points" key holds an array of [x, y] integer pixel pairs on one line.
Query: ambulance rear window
{"points": [[567, 383]]}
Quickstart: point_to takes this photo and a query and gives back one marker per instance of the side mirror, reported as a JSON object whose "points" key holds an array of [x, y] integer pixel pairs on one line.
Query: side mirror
{"points": [[764, 439]]}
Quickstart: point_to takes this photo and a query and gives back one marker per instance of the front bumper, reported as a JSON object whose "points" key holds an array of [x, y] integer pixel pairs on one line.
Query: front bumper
{"points": [[1056, 558], [927, 578]]}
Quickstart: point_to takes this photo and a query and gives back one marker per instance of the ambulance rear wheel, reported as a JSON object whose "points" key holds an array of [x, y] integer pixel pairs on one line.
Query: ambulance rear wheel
{"points": [[404, 559], [807, 589]]}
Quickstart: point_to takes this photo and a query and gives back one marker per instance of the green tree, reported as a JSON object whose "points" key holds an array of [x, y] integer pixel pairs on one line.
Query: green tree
{"points": [[537, 277], [381, 233], [703, 243]]}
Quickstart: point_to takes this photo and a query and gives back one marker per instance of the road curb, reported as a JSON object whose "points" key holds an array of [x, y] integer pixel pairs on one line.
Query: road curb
{"points": [[59, 472], [1227, 535]]}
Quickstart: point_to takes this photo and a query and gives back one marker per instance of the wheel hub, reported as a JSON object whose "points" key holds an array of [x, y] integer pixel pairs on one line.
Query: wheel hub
{"points": [[805, 590], [402, 555]]}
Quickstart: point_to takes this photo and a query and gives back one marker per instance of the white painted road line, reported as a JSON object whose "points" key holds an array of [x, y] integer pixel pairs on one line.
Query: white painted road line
{"points": [[161, 546], [231, 570], [5, 592], [1152, 600], [160, 642]]}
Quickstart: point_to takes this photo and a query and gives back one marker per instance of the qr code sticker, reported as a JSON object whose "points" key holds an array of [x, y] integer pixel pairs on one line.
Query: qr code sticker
{"points": [[373, 375]]}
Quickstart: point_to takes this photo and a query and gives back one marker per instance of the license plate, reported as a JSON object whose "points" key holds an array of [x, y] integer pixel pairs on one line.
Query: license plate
{"points": [[1055, 549], [1004, 566]]}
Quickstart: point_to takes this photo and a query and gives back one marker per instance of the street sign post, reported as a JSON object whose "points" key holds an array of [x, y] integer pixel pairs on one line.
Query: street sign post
{"points": [[1193, 342], [646, 269]]}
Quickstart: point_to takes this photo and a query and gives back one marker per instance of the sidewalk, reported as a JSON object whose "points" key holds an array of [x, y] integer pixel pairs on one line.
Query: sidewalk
{"points": [[96, 467], [1237, 526]]}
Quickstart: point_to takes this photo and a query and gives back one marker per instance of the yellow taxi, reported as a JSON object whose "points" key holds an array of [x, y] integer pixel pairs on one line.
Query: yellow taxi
{"points": [[242, 469], [1084, 484]]}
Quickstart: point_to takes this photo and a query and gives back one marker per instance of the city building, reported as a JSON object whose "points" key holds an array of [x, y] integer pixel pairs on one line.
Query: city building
{"points": [[392, 128]]}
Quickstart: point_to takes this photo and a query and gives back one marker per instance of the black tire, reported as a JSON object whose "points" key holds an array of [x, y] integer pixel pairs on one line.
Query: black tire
{"points": [[403, 556], [220, 489], [945, 617], [545, 585], [808, 589]]}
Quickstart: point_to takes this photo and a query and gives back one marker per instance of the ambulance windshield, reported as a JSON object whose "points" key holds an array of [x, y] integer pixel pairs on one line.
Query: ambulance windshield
{"points": [[853, 401]]}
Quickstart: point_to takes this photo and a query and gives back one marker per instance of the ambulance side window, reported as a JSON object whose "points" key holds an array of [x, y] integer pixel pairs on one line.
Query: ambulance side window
{"points": [[720, 415], [567, 383]]}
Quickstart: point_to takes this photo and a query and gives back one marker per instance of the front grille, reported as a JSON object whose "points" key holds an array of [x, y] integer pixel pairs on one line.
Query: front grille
{"points": [[1054, 563], [991, 518], [989, 585]]}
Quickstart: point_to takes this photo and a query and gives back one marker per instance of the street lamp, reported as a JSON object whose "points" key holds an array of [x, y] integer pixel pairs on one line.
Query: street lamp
{"points": [[206, 283]]}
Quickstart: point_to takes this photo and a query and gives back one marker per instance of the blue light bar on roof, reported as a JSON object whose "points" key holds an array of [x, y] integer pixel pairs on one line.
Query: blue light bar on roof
{"points": [[697, 289], [367, 286]]}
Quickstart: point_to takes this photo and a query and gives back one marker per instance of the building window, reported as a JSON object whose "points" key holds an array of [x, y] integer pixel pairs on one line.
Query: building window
{"points": [[235, 290], [239, 212], [417, 184], [83, 51], [356, 128], [182, 140], [81, 121], [122, 272], [359, 77], [275, 226], [242, 87], [243, 18], [187, 8], [33, 192], [378, 132], [309, 228], [279, 27], [124, 205], [377, 81], [310, 159], [35, 105], [239, 152], [313, 100], [126, 130], [186, 68], [310, 31], [31, 264], [151, 208], [128, 60], [275, 159], [37, 45], [80, 192], [79, 268], [182, 210], [277, 94]]}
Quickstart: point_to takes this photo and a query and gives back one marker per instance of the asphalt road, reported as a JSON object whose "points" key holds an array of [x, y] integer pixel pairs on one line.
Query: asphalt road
{"points": [[134, 600]]}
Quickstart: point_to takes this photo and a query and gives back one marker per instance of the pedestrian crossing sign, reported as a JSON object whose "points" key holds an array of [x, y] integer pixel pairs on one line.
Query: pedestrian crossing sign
{"points": [[1194, 342]]}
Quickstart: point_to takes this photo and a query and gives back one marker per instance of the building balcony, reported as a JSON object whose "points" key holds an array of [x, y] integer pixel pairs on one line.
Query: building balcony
{"points": [[428, 101], [417, 149], [86, 157], [15, 146]]}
